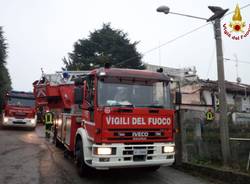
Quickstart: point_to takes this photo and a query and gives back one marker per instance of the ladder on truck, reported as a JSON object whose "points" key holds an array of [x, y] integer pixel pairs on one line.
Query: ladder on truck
{"points": [[54, 91], [62, 77]]}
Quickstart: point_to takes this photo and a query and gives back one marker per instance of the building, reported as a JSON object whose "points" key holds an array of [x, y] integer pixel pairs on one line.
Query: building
{"points": [[204, 94], [176, 73]]}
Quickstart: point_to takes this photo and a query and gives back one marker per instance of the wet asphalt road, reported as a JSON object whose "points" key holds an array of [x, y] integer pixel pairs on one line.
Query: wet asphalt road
{"points": [[26, 157]]}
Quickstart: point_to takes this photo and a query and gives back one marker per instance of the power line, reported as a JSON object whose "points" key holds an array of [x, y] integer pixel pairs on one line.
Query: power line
{"points": [[176, 38], [239, 61], [168, 42], [211, 61]]}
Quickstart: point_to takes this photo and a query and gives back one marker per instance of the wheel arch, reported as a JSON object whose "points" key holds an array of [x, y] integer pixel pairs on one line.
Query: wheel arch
{"points": [[81, 134]]}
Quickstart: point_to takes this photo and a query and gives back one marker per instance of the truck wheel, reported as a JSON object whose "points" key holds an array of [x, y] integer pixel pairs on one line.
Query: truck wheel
{"points": [[79, 158], [58, 143], [66, 154], [152, 168]]}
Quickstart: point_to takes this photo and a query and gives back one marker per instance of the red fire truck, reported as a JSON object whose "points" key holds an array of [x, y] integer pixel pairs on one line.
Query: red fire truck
{"points": [[112, 118], [19, 110]]}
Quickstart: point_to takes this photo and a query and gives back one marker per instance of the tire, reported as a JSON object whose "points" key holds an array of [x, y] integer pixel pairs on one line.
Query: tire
{"points": [[82, 168], [56, 141], [1, 122], [152, 168], [66, 154], [1, 126], [58, 144], [32, 129]]}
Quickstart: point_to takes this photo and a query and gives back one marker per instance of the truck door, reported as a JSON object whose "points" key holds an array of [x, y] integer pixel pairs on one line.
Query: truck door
{"points": [[88, 106], [90, 97]]}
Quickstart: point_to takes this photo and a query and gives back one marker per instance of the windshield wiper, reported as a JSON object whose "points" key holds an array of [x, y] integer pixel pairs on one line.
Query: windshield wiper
{"points": [[151, 106], [156, 106], [122, 105]]}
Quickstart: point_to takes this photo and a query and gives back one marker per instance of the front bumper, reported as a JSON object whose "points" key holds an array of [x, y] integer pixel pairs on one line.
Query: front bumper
{"points": [[128, 156], [15, 122]]}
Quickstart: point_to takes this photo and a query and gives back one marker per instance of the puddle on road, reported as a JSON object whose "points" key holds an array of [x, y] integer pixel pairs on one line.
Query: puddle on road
{"points": [[31, 138], [34, 137]]}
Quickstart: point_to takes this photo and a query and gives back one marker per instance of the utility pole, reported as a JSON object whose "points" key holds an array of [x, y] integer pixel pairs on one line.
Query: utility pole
{"points": [[178, 135], [224, 132], [218, 14]]}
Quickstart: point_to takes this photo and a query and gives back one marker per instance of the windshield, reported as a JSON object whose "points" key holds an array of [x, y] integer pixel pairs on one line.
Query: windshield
{"points": [[155, 94], [29, 102]]}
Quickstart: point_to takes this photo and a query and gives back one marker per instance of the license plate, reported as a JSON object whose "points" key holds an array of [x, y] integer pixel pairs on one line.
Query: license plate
{"points": [[140, 152], [19, 122]]}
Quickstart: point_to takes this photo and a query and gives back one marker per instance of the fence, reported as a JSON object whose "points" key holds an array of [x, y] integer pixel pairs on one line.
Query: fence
{"points": [[201, 140]]}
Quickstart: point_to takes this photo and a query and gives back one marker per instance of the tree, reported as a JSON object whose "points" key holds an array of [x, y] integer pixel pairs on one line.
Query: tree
{"points": [[105, 45], [5, 81]]}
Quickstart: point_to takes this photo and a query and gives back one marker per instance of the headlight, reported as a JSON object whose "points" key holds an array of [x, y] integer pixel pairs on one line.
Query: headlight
{"points": [[59, 122], [104, 151], [102, 74], [33, 121], [5, 120], [168, 149]]}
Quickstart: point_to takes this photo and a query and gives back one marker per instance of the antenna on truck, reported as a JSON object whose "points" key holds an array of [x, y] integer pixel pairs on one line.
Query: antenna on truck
{"points": [[42, 71]]}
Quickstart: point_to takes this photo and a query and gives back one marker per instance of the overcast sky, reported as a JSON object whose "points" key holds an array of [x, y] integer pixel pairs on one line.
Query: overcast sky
{"points": [[41, 32]]}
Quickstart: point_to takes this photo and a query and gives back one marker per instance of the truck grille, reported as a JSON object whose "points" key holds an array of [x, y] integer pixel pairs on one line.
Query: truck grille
{"points": [[138, 153], [20, 117], [19, 122], [136, 135]]}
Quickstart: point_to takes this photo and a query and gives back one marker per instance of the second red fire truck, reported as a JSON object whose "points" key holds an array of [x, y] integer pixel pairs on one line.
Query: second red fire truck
{"points": [[19, 110], [110, 117]]}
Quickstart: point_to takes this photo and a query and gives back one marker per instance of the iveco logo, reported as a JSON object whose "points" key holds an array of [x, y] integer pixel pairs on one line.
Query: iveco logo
{"points": [[140, 134]]}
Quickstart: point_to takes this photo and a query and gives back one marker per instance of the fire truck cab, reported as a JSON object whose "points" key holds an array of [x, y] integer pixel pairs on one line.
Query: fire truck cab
{"points": [[111, 118], [19, 110]]}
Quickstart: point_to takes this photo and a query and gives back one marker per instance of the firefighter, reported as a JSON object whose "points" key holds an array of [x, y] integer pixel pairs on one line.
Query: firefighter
{"points": [[48, 123], [217, 105], [121, 94]]}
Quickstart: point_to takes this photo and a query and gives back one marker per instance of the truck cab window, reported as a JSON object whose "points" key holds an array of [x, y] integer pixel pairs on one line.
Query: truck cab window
{"points": [[90, 91], [116, 92]]}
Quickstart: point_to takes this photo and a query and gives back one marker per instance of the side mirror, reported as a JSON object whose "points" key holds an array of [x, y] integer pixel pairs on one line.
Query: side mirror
{"points": [[178, 98], [78, 95]]}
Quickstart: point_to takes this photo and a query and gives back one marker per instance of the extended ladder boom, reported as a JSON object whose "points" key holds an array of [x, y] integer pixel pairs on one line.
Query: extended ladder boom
{"points": [[61, 77]]}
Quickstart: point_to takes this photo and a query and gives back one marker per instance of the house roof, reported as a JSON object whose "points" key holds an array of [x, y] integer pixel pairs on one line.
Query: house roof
{"points": [[232, 87]]}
